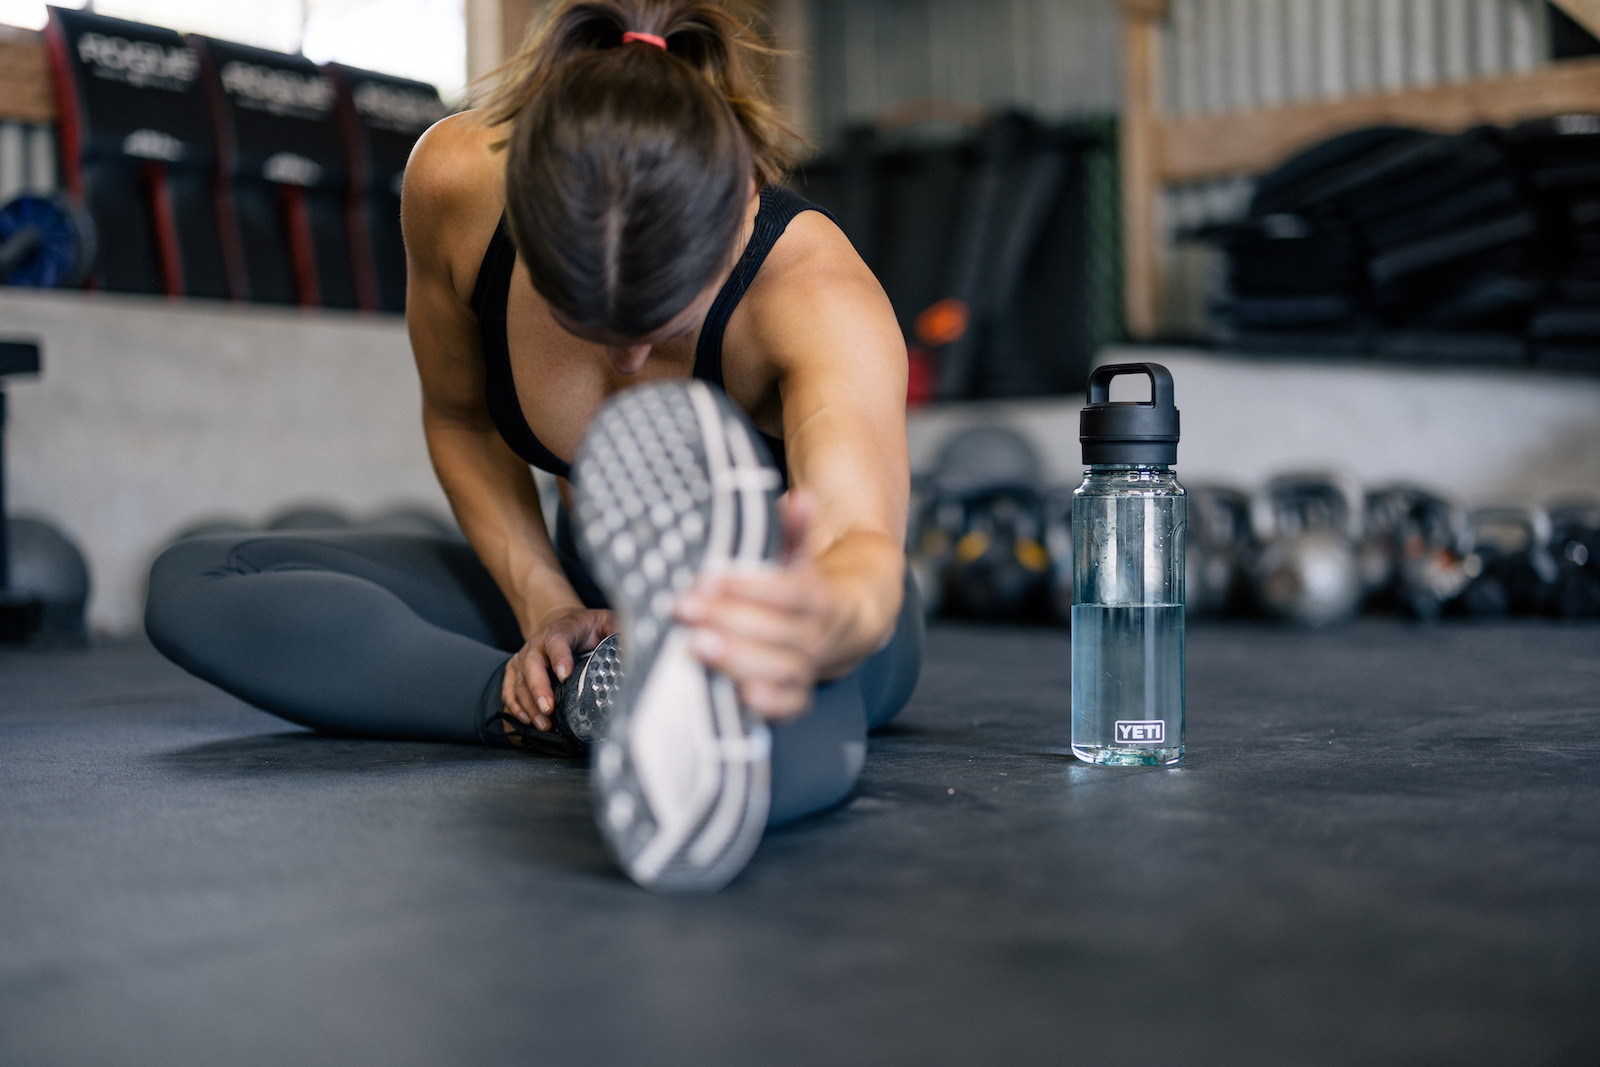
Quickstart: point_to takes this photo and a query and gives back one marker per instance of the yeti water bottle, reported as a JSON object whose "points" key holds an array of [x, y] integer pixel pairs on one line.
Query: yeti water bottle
{"points": [[1128, 524]]}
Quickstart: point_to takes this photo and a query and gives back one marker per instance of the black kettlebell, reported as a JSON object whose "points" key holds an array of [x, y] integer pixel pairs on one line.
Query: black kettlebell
{"points": [[1508, 563], [47, 569], [1411, 557], [1575, 544], [999, 569]]}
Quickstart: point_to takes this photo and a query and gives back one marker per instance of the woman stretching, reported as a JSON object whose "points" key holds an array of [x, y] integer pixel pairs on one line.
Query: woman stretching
{"points": [[607, 282]]}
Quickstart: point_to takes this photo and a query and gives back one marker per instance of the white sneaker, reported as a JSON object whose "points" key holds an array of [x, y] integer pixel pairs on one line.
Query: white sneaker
{"points": [[672, 482]]}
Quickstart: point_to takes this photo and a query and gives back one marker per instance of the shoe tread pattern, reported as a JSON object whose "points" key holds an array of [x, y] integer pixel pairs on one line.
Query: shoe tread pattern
{"points": [[645, 510], [588, 695]]}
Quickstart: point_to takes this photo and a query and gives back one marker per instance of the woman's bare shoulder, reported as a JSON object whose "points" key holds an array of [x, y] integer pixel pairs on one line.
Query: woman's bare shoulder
{"points": [[454, 161], [815, 241], [453, 194], [814, 262]]}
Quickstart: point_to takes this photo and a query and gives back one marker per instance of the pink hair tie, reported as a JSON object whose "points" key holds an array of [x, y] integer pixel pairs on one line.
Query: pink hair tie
{"points": [[647, 38]]}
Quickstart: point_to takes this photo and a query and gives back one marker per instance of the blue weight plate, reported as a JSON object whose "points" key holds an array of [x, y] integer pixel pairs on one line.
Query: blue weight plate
{"points": [[66, 249]]}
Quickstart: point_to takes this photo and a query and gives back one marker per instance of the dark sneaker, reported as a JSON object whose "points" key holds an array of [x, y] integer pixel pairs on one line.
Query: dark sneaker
{"points": [[583, 701], [671, 482], [505, 730]]}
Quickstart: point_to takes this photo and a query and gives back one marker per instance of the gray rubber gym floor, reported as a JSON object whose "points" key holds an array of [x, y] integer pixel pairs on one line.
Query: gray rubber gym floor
{"points": [[1384, 848]]}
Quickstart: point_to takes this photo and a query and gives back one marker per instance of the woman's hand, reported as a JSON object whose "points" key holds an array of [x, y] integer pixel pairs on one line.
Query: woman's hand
{"points": [[767, 630], [527, 691]]}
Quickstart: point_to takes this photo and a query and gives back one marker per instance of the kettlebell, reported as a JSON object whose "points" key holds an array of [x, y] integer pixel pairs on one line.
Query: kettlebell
{"points": [[1575, 544], [1411, 555], [1309, 525], [47, 568], [1508, 563], [1220, 545], [999, 569]]}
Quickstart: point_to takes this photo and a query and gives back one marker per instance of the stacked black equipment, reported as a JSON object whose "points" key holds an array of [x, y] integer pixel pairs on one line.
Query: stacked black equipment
{"points": [[1562, 159], [282, 176], [1295, 276], [1410, 244], [995, 221], [382, 117], [137, 149]]}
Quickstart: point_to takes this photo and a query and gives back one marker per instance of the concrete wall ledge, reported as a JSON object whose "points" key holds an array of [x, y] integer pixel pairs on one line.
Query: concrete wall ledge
{"points": [[152, 414], [1480, 435]]}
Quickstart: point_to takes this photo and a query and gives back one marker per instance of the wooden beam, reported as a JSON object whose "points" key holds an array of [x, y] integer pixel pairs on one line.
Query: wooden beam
{"points": [[515, 18], [25, 92], [495, 30], [1139, 143], [1585, 13], [1252, 142], [790, 21], [1152, 10]]}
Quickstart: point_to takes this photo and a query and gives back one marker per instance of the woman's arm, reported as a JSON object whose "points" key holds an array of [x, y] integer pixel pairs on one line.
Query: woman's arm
{"points": [[489, 487], [826, 325]]}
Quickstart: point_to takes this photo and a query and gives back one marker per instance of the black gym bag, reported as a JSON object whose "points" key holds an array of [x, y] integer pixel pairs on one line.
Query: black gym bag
{"points": [[996, 221], [1402, 243], [137, 149], [382, 117], [282, 163]]}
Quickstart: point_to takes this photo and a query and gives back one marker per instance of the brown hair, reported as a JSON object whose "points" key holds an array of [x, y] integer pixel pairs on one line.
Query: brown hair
{"points": [[628, 166]]}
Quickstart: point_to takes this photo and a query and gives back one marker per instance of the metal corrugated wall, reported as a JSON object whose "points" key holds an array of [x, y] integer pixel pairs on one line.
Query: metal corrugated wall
{"points": [[1234, 55], [1055, 58], [27, 160], [1229, 55]]}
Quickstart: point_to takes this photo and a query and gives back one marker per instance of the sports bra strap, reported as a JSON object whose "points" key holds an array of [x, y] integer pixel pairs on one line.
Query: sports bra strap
{"points": [[779, 206], [490, 295]]}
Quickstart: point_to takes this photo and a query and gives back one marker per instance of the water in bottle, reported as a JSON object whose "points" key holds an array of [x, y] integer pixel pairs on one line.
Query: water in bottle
{"points": [[1129, 518]]}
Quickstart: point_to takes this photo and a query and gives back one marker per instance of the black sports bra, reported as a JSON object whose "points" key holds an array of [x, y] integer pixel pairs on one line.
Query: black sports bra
{"points": [[778, 208]]}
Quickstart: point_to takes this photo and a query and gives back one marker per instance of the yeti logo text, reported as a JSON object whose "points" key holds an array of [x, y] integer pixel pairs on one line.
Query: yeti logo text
{"points": [[1141, 731]]}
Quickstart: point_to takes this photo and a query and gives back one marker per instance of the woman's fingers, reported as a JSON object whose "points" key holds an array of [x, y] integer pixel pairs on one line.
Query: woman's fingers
{"points": [[532, 687], [765, 630], [798, 590], [509, 695], [757, 621], [768, 666], [527, 691], [558, 653]]}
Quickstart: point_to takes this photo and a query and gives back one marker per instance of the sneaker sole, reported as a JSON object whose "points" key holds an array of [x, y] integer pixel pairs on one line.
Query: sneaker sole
{"points": [[584, 702], [670, 485]]}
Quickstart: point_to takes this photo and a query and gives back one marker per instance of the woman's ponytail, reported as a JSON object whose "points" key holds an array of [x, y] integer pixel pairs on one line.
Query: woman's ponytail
{"points": [[629, 166], [714, 38]]}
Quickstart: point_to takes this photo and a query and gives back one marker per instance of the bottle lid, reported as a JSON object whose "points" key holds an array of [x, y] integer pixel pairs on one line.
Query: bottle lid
{"points": [[1129, 432]]}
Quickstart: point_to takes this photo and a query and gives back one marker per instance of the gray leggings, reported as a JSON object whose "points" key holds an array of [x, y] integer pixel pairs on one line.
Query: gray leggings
{"points": [[403, 636]]}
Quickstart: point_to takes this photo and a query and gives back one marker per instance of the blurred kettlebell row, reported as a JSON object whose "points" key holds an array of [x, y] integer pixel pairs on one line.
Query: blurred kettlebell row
{"points": [[989, 541]]}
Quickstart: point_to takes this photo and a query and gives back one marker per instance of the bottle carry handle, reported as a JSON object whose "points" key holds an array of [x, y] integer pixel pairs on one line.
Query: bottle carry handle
{"points": [[1160, 383]]}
